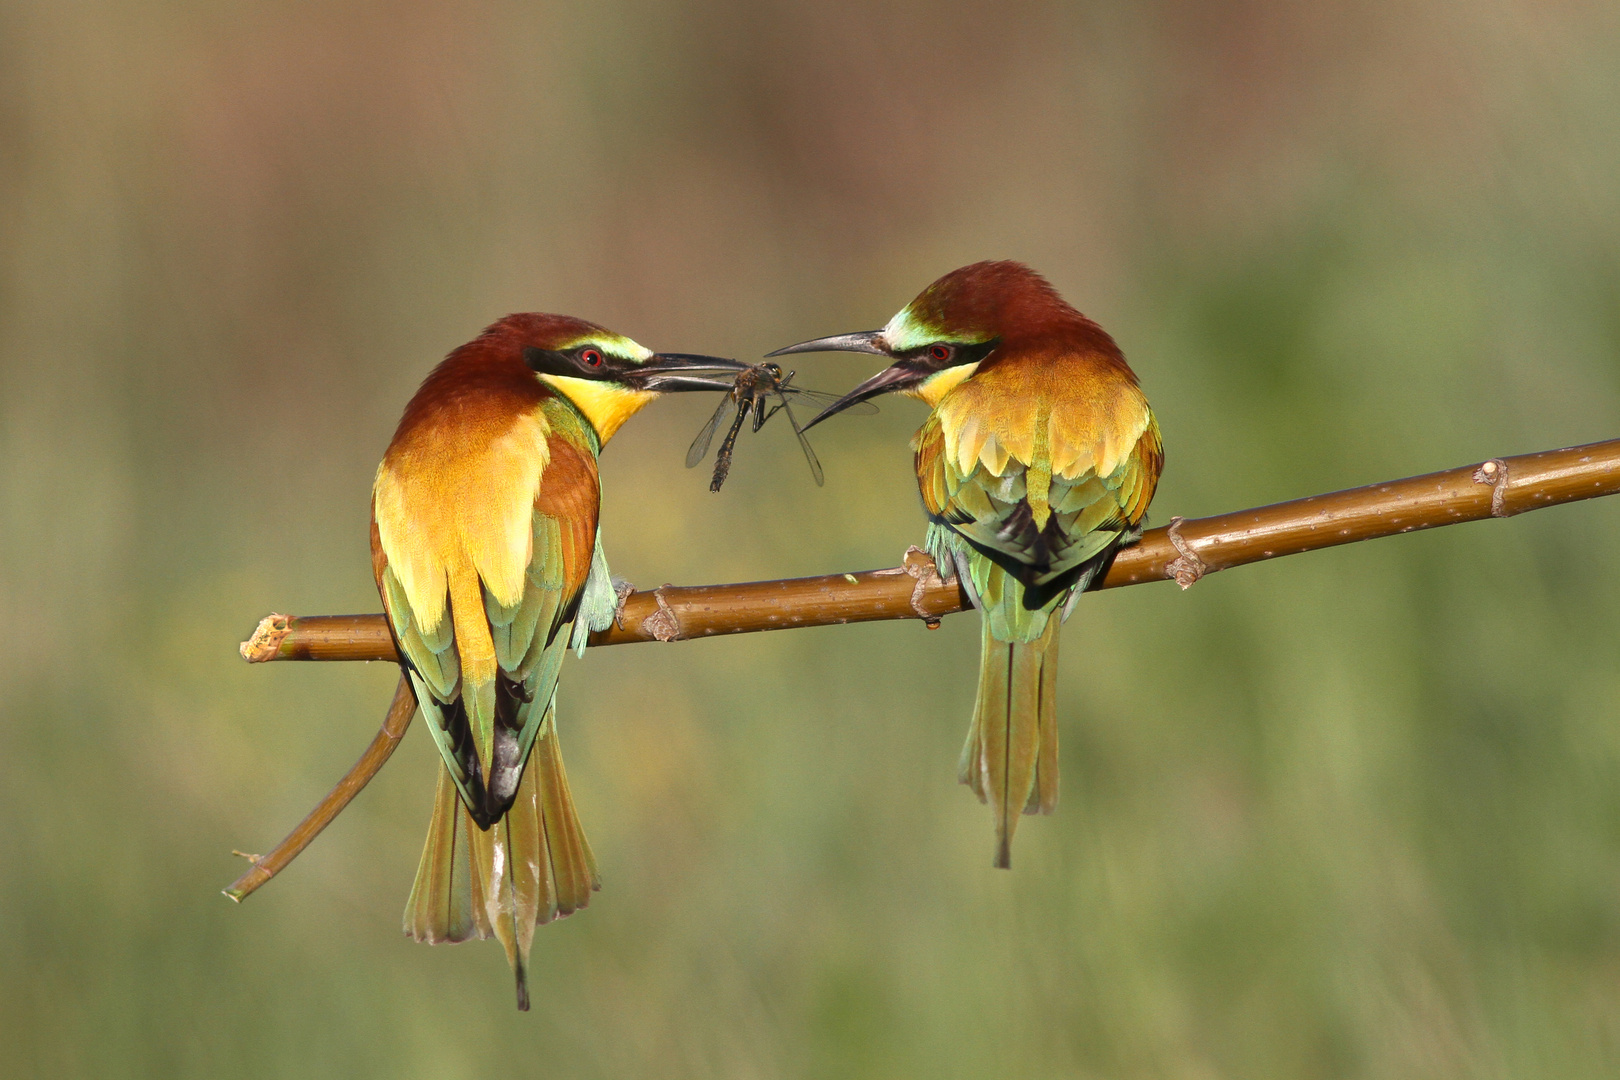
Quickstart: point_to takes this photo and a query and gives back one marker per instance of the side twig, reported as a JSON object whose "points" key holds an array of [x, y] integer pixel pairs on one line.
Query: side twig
{"points": [[382, 747]]}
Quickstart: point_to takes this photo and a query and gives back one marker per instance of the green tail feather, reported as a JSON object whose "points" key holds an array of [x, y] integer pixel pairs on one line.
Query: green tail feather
{"points": [[532, 866], [1011, 756], [441, 906]]}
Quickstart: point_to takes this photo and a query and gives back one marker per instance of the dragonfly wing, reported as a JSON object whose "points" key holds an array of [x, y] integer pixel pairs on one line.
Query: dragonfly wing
{"points": [[804, 442], [700, 445], [816, 399]]}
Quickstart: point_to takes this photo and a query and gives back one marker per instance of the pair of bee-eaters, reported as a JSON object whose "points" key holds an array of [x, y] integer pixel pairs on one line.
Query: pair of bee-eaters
{"points": [[1036, 463]]}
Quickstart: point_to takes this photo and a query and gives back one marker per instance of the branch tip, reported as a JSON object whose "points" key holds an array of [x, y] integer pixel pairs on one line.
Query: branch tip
{"points": [[267, 638]]}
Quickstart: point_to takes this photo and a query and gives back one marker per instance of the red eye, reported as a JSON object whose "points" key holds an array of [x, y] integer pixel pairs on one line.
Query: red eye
{"points": [[940, 352], [592, 357]]}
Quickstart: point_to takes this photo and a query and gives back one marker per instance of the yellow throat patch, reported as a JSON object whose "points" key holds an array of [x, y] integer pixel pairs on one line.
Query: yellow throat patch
{"points": [[606, 405]]}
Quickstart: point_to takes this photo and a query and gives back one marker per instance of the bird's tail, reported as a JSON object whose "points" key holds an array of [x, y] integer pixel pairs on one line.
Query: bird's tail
{"points": [[1011, 757], [530, 867]]}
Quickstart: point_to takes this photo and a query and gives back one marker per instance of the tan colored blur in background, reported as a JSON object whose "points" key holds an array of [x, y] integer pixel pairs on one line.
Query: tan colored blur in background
{"points": [[1355, 814]]}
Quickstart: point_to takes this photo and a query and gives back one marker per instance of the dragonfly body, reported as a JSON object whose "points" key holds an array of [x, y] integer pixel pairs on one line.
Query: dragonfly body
{"points": [[751, 394], [722, 457]]}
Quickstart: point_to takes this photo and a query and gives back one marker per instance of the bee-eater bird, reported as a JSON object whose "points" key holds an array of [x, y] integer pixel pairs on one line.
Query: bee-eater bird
{"points": [[485, 548], [1036, 464]]}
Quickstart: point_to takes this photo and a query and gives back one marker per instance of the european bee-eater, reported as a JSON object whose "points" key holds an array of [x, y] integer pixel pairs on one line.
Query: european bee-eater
{"points": [[485, 548], [1036, 463]]}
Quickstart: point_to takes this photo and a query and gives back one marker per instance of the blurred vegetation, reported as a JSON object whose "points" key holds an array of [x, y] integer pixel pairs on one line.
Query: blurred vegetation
{"points": [[1350, 815]]}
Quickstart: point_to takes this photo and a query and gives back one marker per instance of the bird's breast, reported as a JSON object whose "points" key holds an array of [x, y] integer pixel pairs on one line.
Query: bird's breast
{"points": [[1064, 419], [457, 498]]}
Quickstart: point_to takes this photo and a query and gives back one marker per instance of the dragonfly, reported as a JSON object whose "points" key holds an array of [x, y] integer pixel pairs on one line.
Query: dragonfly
{"points": [[752, 392]]}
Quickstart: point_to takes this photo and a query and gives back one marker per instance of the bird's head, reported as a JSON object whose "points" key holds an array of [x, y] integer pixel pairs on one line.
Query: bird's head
{"points": [[968, 318], [606, 376]]}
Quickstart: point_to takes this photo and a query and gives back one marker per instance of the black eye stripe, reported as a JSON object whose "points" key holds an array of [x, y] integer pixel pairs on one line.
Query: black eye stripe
{"points": [[573, 363], [956, 354]]}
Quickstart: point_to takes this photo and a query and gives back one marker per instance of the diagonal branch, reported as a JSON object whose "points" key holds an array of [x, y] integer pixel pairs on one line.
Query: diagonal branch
{"points": [[381, 749], [1182, 552]]}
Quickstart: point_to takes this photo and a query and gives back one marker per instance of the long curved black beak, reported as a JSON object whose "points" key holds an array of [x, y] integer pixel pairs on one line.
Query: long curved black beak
{"points": [[866, 341], [895, 377], [673, 373]]}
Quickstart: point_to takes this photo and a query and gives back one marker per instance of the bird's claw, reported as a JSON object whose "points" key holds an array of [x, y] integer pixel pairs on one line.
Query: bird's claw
{"points": [[623, 590], [1187, 567], [923, 570]]}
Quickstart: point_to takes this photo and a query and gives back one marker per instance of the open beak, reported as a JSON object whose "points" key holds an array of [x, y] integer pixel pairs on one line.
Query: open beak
{"points": [[670, 373], [896, 377], [866, 341]]}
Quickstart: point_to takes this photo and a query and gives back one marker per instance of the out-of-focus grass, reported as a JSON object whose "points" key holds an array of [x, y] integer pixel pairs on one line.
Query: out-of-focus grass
{"points": [[1350, 815]]}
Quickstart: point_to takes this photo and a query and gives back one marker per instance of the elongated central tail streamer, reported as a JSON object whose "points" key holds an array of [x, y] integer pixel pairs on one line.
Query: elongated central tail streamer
{"points": [[1011, 757]]}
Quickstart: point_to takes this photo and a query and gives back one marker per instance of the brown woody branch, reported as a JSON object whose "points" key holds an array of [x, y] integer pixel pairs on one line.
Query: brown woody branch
{"points": [[1182, 552]]}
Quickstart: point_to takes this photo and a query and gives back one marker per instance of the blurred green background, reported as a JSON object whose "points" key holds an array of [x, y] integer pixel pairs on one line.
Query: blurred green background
{"points": [[1355, 814]]}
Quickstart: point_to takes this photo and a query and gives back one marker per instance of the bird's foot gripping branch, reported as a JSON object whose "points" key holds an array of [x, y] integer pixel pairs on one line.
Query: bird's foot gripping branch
{"points": [[1183, 552]]}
